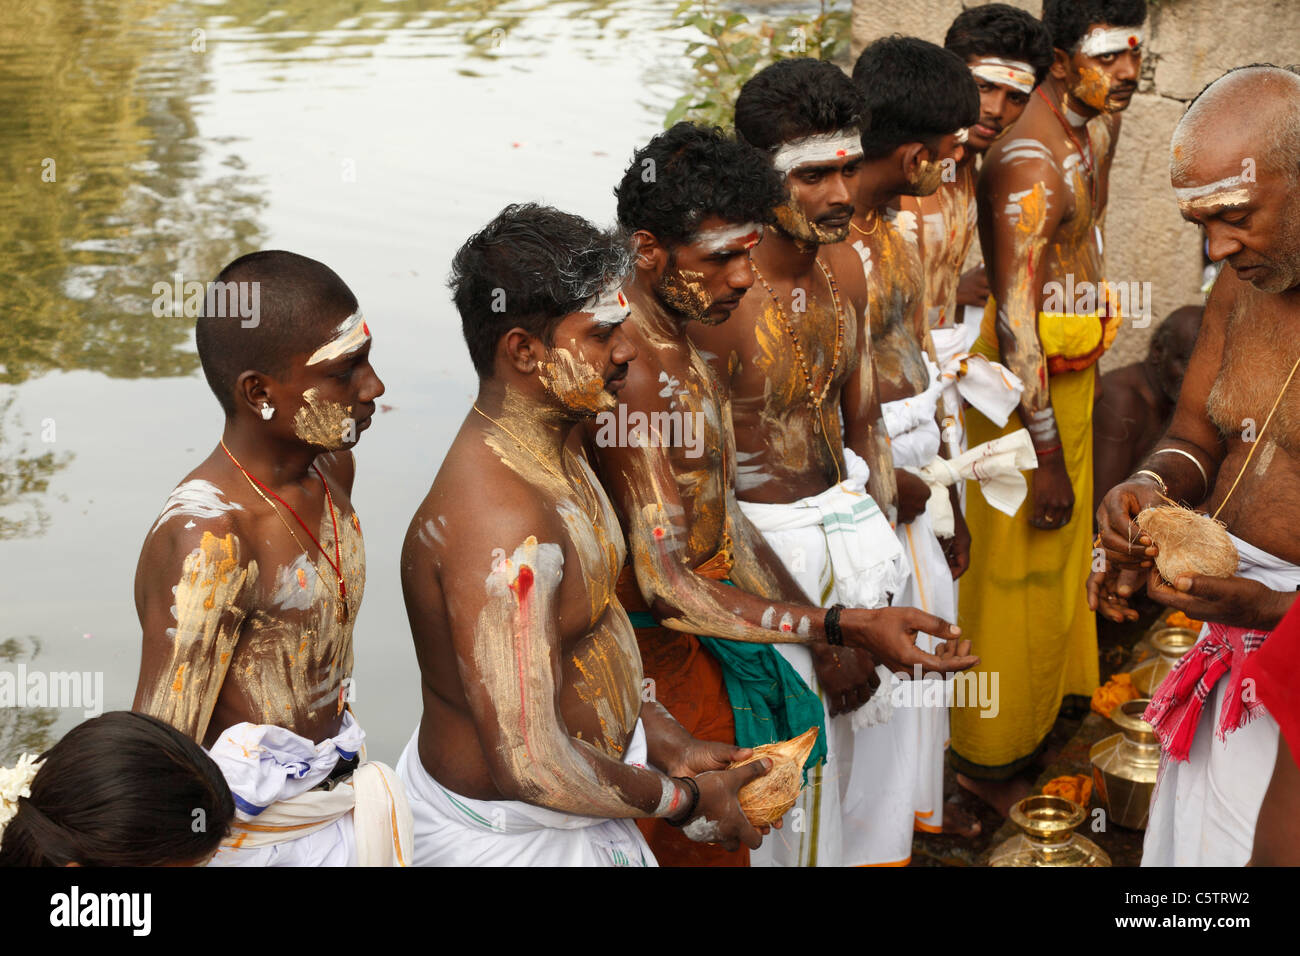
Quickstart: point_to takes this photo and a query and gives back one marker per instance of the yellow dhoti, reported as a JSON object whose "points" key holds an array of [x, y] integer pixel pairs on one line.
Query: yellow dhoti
{"points": [[1023, 602]]}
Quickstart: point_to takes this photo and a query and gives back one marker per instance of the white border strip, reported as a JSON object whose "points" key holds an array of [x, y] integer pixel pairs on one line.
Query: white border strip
{"points": [[1103, 40]]}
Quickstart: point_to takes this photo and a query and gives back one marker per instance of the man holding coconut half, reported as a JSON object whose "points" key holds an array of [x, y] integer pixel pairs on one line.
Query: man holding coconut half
{"points": [[1232, 449]]}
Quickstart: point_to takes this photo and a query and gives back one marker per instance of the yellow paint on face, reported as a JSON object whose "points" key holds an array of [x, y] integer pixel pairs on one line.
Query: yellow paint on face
{"points": [[682, 291], [927, 178], [1093, 88], [322, 422], [577, 384], [794, 223]]}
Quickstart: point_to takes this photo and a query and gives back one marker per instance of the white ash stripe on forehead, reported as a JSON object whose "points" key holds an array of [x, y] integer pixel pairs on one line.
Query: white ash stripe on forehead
{"points": [[819, 148], [609, 306], [1105, 40], [351, 335], [715, 240], [1013, 73], [1188, 193]]}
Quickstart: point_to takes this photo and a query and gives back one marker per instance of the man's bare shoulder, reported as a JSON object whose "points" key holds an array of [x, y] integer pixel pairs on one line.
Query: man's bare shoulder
{"points": [[478, 503], [1031, 152], [203, 516]]}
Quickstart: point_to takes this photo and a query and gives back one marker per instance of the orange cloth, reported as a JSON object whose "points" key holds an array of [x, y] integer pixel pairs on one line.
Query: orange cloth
{"points": [[688, 682]]}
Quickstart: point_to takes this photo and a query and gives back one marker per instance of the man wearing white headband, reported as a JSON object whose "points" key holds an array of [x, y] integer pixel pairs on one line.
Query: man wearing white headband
{"points": [[250, 580], [1041, 196], [1230, 451], [796, 361], [922, 100]]}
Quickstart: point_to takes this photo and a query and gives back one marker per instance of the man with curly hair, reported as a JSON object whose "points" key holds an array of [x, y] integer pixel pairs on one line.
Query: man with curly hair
{"points": [[695, 203], [1042, 198], [796, 359]]}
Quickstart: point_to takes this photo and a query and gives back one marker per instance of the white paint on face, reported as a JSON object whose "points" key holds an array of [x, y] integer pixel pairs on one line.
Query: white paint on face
{"points": [[1104, 40], [1232, 191], [716, 240], [609, 306], [1015, 74], [820, 148], [195, 499], [352, 334]]}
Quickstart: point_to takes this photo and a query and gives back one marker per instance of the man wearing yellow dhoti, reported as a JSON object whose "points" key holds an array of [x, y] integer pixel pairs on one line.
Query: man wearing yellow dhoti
{"points": [[1042, 195]]}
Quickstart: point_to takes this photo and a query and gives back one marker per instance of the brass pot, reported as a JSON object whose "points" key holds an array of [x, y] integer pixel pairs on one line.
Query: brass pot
{"points": [[1171, 643], [1048, 838], [1124, 766]]}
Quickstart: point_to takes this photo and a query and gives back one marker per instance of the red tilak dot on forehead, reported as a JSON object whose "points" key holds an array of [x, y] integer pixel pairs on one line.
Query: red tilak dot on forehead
{"points": [[622, 300], [365, 327], [841, 152], [1132, 41]]}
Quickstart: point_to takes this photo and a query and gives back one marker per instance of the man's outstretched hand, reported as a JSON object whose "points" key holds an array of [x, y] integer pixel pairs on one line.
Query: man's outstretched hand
{"points": [[888, 634]]}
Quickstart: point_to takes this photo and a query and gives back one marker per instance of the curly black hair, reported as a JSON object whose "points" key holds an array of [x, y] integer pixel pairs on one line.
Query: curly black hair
{"points": [[528, 268], [795, 98], [1067, 21], [690, 172], [999, 29]]}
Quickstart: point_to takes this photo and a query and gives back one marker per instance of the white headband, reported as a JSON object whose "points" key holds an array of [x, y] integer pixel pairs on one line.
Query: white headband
{"points": [[351, 334], [715, 240], [819, 148], [1102, 41], [1013, 73], [609, 306]]}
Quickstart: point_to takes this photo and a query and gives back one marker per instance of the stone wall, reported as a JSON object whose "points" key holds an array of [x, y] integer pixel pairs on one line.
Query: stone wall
{"points": [[1189, 44]]}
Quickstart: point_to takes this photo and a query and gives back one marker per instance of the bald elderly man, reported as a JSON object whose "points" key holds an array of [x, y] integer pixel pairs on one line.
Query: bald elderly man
{"points": [[1231, 450]]}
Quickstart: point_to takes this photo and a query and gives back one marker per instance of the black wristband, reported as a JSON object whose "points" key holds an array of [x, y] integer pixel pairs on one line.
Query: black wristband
{"points": [[689, 812], [834, 636]]}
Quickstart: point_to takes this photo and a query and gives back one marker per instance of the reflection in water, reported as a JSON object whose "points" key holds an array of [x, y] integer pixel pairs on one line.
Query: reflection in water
{"points": [[98, 140], [23, 477], [23, 729], [169, 158]]}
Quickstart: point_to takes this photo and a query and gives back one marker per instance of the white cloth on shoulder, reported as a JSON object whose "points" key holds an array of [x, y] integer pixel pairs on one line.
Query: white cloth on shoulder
{"points": [[996, 465], [1204, 810], [452, 830], [281, 820]]}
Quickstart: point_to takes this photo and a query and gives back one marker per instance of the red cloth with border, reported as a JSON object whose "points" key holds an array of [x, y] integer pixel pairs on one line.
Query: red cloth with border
{"points": [[1275, 671]]}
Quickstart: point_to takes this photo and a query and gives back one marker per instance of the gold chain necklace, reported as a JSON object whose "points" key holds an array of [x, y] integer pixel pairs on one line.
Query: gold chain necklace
{"points": [[866, 232], [563, 479], [815, 400], [341, 610]]}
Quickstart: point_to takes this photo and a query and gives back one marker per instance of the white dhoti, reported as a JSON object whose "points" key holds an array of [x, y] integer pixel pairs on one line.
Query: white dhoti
{"points": [[898, 766], [281, 819], [1203, 811], [840, 549], [452, 830]]}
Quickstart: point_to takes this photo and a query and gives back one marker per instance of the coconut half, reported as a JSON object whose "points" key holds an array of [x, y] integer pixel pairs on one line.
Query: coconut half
{"points": [[770, 797], [1189, 543]]}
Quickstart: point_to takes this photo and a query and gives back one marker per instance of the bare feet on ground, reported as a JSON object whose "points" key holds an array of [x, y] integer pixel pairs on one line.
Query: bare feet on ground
{"points": [[958, 821], [1001, 795]]}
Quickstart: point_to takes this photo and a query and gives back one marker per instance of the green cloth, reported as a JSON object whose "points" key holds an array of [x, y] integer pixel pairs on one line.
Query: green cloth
{"points": [[770, 700]]}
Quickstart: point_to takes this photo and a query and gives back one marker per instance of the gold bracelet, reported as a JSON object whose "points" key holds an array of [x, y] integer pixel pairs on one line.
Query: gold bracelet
{"points": [[1164, 489], [1205, 481]]}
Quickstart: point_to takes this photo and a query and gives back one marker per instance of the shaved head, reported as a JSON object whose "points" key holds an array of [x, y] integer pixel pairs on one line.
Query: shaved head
{"points": [[1235, 167], [1267, 131]]}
